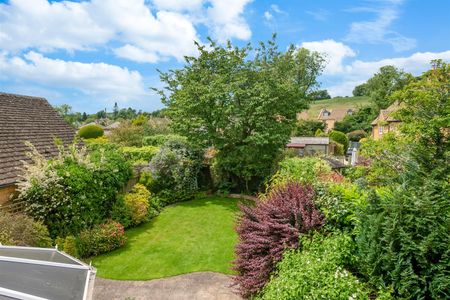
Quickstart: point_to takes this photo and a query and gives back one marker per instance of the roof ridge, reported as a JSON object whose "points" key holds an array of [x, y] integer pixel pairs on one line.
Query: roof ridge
{"points": [[23, 96]]}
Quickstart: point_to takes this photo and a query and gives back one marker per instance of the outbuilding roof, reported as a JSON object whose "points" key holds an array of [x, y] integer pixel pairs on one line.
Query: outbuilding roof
{"points": [[300, 142], [32, 119]]}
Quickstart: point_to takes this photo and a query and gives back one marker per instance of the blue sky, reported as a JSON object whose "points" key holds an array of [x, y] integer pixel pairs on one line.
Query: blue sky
{"points": [[90, 54]]}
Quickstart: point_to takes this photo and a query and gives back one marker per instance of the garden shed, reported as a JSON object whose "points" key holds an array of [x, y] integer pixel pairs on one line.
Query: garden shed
{"points": [[310, 146], [43, 273]]}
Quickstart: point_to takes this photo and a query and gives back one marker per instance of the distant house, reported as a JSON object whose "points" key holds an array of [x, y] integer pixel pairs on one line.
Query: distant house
{"points": [[385, 122], [330, 116], [22, 119], [309, 146]]}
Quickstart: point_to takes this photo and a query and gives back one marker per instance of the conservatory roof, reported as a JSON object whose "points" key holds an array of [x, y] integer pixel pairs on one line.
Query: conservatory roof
{"points": [[42, 273]]}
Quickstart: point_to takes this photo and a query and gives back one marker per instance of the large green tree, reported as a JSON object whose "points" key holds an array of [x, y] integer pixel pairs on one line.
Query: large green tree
{"points": [[359, 120], [385, 82], [425, 115], [242, 101]]}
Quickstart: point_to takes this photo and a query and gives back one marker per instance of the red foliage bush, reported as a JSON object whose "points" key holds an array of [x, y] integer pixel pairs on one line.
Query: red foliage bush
{"points": [[267, 229]]}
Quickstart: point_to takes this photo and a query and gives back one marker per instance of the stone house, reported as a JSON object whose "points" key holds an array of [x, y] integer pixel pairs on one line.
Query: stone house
{"points": [[385, 122], [330, 116], [26, 119]]}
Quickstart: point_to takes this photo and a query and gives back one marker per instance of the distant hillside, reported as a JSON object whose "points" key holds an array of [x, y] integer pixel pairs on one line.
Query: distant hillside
{"points": [[338, 102]]}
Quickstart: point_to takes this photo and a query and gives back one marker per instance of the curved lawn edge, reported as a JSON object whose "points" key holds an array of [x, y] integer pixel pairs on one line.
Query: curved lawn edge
{"points": [[187, 237]]}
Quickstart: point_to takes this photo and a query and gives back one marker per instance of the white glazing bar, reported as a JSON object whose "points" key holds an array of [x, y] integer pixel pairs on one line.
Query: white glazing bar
{"points": [[18, 295], [42, 263]]}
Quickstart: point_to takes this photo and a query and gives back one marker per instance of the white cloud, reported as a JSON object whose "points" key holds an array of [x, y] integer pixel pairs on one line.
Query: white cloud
{"points": [[277, 9], [95, 79], [178, 5], [359, 71], [225, 19], [139, 33], [137, 54], [39, 24], [378, 30], [334, 52], [268, 16]]}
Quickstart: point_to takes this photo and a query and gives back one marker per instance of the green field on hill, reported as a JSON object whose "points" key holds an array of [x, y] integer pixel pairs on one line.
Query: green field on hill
{"points": [[338, 102]]}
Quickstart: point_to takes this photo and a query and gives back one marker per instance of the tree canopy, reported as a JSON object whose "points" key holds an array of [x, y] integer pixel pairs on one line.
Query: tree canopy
{"points": [[388, 80], [425, 115], [242, 101]]}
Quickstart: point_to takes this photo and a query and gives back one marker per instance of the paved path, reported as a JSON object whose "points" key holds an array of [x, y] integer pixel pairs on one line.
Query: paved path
{"points": [[193, 286]]}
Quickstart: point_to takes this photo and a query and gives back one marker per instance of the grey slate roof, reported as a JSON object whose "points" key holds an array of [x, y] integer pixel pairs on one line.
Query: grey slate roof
{"points": [[310, 140], [25, 118]]}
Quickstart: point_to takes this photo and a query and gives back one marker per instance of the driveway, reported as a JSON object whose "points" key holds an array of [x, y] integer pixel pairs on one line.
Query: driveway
{"points": [[192, 286]]}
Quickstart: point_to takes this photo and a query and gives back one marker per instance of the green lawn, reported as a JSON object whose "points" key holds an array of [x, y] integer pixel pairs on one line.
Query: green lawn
{"points": [[338, 102], [191, 236]]}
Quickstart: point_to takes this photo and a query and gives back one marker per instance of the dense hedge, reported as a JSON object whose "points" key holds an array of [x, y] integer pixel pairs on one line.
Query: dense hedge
{"points": [[74, 191], [340, 138], [90, 131], [160, 139], [318, 271], [140, 155]]}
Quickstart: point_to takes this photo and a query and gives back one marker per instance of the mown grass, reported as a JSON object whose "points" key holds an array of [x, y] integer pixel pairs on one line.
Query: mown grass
{"points": [[191, 236], [338, 102]]}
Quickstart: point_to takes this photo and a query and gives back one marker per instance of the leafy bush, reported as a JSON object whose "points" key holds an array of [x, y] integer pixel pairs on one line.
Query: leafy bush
{"points": [[141, 155], [121, 213], [69, 244], [156, 203], [127, 134], [340, 203], [270, 227], [356, 135], [300, 169], [21, 230], [137, 203], [90, 131], [75, 190], [338, 149], [99, 140], [160, 139], [101, 239], [174, 170], [387, 158], [340, 138], [404, 237], [307, 127], [316, 272]]}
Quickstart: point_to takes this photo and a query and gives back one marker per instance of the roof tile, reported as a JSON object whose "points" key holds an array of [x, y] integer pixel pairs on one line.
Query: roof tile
{"points": [[33, 119]]}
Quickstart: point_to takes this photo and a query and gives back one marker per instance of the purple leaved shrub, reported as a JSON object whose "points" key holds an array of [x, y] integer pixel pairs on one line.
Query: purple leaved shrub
{"points": [[267, 229]]}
